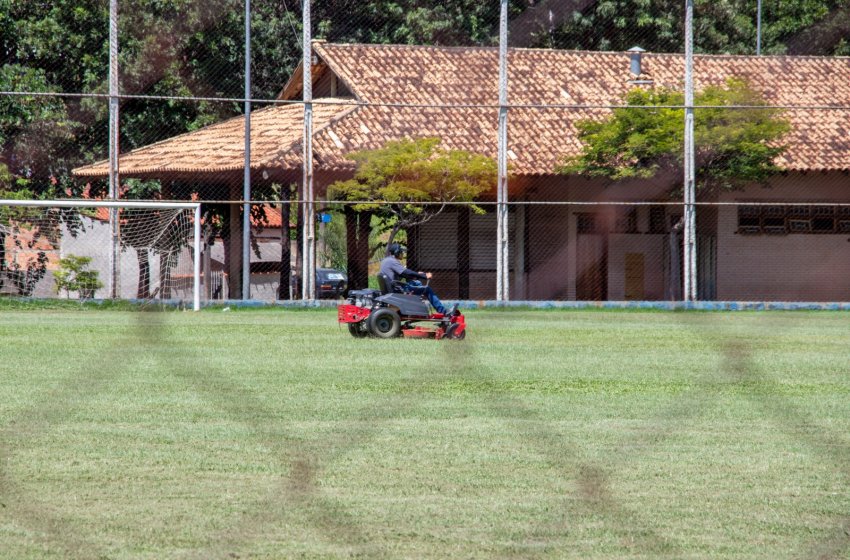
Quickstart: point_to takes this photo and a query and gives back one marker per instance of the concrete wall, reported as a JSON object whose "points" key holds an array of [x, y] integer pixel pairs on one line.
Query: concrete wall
{"points": [[95, 241], [652, 248], [791, 267], [543, 252]]}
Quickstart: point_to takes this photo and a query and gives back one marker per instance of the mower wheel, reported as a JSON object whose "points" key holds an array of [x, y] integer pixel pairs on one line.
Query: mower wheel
{"points": [[358, 330], [452, 334], [385, 323]]}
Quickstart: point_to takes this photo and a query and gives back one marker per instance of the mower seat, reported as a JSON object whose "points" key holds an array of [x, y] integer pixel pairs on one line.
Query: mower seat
{"points": [[387, 286]]}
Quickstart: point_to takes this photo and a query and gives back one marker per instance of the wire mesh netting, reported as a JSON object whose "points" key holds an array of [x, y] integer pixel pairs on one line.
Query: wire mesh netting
{"points": [[564, 171], [595, 154], [62, 251]]}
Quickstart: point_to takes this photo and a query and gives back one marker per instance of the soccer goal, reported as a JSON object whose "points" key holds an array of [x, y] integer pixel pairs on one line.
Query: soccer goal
{"points": [[142, 251]]}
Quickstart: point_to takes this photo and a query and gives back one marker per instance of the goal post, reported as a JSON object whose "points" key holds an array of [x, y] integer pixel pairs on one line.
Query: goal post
{"points": [[64, 248]]}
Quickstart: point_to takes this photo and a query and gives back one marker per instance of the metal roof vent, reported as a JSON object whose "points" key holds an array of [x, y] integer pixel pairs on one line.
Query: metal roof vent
{"points": [[640, 77], [635, 54]]}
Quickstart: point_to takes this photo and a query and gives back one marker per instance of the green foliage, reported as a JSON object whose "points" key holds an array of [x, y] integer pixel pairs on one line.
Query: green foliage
{"points": [[733, 146], [448, 22], [720, 26], [332, 242], [34, 130], [414, 171], [15, 189], [73, 276], [23, 274]]}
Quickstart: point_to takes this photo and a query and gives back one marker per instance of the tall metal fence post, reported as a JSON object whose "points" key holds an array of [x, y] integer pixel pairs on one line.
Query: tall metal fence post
{"points": [[246, 181], [114, 178], [502, 245], [308, 274], [689, 257], [196, 263]]}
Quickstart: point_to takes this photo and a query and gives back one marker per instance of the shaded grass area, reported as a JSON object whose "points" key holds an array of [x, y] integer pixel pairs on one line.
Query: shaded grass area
{"points": [[560, 434]]}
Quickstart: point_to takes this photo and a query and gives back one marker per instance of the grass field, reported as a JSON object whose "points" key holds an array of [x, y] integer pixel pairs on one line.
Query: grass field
{"points": [[549, 434]]}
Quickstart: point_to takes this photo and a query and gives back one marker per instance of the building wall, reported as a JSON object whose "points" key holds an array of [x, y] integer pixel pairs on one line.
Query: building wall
{"points": [[543, 244], [438, 253], [790, 267], [550, 257], [651, 248], [762, 267], [94, 241]]}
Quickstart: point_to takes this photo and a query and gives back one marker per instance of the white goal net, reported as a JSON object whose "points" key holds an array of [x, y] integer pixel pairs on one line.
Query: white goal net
{"points": [[142, 251]]}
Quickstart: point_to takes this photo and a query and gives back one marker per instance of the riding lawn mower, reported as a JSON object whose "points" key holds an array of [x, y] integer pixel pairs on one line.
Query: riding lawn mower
{"points": [[389, 313]]}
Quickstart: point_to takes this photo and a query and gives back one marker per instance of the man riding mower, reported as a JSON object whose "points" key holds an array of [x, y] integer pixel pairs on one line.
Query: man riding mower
{"points": [[393, 310]]}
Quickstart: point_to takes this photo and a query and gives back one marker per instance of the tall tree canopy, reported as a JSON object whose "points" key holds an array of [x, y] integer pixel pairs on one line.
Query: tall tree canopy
{"points": [[407, 172], [733, 146], [720, 26]]}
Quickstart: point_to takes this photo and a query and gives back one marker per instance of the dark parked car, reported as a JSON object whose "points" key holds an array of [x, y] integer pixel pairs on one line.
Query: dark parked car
{"points": [[330, 283]]}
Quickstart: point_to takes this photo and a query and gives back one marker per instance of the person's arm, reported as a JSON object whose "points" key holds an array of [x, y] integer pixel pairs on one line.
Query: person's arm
{"points": [[399, 271], [412, 274]]}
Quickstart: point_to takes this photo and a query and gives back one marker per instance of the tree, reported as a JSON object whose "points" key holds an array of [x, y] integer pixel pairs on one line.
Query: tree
{"points": [[733, 146], [33, 129], [22, 226], [404, 174], [73, 276], [720, 26]]}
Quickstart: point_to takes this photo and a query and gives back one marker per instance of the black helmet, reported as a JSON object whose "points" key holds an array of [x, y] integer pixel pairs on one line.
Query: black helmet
{"points": [[397, 250]]}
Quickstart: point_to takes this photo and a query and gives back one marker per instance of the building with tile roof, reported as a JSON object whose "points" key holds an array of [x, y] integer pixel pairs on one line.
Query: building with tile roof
{"points": [[366, 95]]}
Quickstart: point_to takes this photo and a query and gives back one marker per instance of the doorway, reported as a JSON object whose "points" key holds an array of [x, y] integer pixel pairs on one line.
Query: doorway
{"points": [[591, 258]]}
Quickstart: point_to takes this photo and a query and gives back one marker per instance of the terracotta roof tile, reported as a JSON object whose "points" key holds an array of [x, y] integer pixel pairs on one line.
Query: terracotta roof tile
{"points": [[395, 74], [403, 78], [220, 147]]}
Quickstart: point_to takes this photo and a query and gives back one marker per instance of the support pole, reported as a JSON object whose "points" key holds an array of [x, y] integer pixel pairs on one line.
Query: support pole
{"points": [[308, 274], [114, 178], [196, 271], [246, 180], [758, 28], [502, 247], [689, 257]]}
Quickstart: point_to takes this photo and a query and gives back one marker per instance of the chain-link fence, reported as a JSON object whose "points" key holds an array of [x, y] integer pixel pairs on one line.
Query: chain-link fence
{"points": [[586, 110], [572, 183]]}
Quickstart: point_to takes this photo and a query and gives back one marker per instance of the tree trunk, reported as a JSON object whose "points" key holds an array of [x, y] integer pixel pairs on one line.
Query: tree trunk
{"points": [[285, 252], [144, 288], [234, 241], [413, 247], [390, 240], [463, 254], [357, 229], [299, 255], [2, 258]]}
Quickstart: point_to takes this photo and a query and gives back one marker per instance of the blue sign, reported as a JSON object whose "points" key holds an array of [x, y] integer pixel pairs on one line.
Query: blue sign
{"points": [[324, 218]]}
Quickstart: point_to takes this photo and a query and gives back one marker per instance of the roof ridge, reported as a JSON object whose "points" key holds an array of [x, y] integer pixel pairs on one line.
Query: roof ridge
{"points": [[337, 71], [281, 153], [324, 44]]}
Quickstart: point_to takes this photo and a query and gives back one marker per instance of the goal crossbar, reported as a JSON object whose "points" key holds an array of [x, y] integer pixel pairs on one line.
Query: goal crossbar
{"points": [[195, 207]]}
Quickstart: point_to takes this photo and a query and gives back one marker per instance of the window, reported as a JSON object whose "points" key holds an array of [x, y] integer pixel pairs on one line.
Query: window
{"points": [[626, 221], [823, 219], [586, 223], [773, 220], [748, 219], [782, 220], [658, 219]]}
